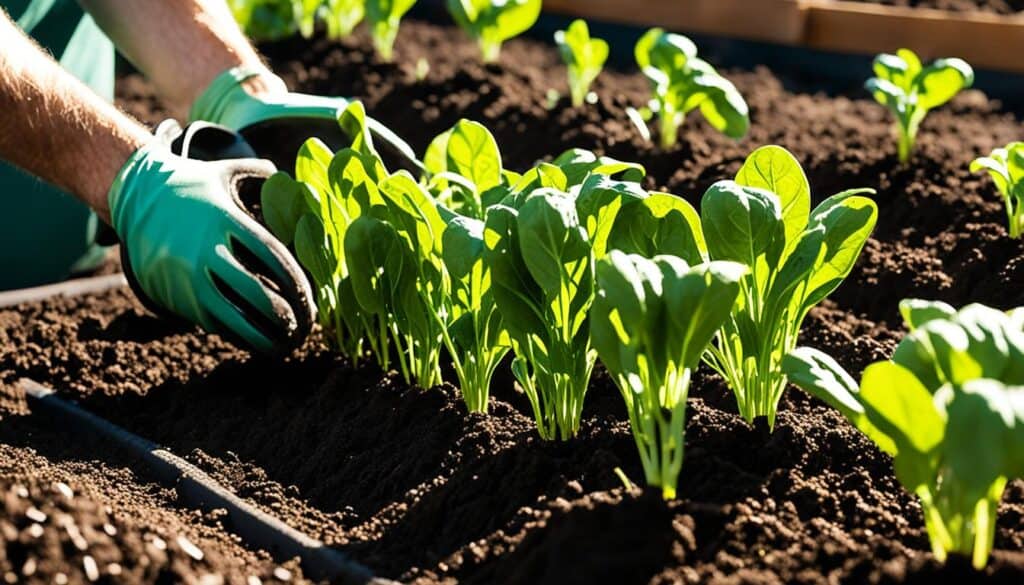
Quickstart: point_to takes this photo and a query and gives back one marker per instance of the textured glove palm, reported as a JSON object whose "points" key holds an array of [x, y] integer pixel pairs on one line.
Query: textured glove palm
{"points": [[193, 251]]}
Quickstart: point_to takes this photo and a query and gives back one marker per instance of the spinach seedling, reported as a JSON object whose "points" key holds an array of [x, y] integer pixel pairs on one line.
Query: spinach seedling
{"points": [[476, 338], [541, 245], [584, 57], [1006, 167], [394, 255], [465, 169], [267, 20], [314, 212], [796, 256], [910, 90], [492, 22], [343, 16], [651, 321], [682, 82], [384, 17], [948, 407]]}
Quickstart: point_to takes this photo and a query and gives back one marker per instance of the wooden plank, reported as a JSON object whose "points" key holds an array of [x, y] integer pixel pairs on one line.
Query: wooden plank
{"points": [[778, 21], [984, 40]]}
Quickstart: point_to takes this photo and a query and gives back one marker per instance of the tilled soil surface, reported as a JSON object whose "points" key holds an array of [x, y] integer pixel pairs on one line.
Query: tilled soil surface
{"points": [[416, 488]]}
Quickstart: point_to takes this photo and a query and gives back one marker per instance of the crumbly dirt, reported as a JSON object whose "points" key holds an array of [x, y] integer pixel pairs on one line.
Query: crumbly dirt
{"points": [[412, 485]]}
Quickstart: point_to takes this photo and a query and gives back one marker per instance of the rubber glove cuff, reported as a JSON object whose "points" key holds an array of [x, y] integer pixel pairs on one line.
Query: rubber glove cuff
{"points": [[226, 101]]}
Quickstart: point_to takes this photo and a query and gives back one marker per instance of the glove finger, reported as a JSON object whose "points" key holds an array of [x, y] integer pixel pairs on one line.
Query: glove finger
{"points": [[254, 296], [223, 317], [266, 259]]}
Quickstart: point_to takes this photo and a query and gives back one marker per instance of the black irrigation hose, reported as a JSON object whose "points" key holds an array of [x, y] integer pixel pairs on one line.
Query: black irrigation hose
{"points": [[68, 288], [253, 526]]}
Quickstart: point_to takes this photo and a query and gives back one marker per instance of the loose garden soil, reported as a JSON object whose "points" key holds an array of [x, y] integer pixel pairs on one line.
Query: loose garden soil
{"points": [[416, 488]]}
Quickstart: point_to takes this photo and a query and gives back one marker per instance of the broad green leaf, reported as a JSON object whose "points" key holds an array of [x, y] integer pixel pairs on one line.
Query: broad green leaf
{"points": [[893, 69], [996, 165], [436, 158], [311, 164], [463, 245], [517, 295], [343, 16], [620, 304], [661, 224], [888, 94], [578, 163], [583, 56], [939, 82], [473, 153], [697, 304], [551, 239], [899, 406], [774, 169], [284, 201], [381, 264], [414, 212], [598, 205], [740, 223], [721, 105], [980, 444], [848, 220], [312, 250], [917, 312], [822, 377]]}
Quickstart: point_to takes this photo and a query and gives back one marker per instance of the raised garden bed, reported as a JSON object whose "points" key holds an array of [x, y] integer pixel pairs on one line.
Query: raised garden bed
{"points": [[408, 483]]}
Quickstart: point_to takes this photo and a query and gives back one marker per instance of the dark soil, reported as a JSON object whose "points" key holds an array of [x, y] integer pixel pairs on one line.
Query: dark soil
{"points": [[412, 485], [996, 6]]}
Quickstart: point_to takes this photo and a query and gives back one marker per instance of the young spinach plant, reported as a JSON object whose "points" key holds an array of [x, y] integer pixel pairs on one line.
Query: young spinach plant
{"points": [[384, 17], [584, 57], [541, 245], [910, 90], [796, 256], [682, 82], [651, 321], [1006, 167], [492, 22], [948, 407], [343, 16], [314, 212]]}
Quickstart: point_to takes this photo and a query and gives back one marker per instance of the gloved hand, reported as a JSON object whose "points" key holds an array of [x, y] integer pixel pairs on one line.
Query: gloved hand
{"points": [[190, 248], [278, 122]]}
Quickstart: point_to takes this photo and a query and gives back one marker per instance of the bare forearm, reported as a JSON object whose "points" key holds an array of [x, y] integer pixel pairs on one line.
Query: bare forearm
{"points": [[180, 45], [54, 127]]}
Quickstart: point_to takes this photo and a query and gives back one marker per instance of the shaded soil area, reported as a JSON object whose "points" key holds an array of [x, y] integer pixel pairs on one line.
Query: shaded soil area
{"points": [[418, 489]]}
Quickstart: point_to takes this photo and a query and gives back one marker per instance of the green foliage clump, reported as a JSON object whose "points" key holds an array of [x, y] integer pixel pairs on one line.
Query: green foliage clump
{"points": [[652, 319], [797, 257], [492, 22], [1006, 167], [910, 90], [948, 407], [584, 57], [682, 82]]}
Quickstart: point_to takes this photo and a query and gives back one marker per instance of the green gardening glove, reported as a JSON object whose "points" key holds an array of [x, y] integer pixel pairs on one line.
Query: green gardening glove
{"points": [[191, 250], [278, 122]]}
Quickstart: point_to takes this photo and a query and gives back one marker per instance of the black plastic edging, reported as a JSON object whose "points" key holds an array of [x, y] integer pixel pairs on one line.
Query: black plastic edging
{"points": [[68, 288], [253, 526]]}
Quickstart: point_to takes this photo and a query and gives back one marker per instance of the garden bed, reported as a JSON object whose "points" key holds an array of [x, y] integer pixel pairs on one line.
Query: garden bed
{"points": [[413, 486]]}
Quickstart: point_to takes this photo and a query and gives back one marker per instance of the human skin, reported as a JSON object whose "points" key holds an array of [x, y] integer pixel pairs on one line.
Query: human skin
{"points": [[56, 128]]}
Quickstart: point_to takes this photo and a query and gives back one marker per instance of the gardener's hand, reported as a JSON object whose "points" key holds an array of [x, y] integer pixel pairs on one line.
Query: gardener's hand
{"points": [[192, 250], [276, 122]]}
